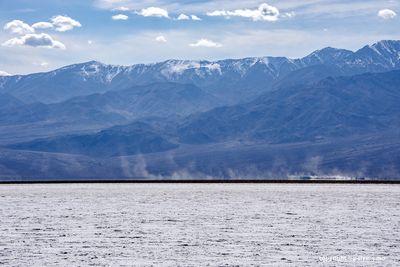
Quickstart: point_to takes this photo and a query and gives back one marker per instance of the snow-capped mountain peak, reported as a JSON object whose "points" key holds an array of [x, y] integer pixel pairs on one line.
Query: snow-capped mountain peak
{"points": [[3, 73], [224, 75]]}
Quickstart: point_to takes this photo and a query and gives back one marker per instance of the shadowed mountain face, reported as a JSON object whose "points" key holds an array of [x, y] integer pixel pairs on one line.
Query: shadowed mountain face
{"points": [[331, 108], [230, 80], [137, 138], [334, 111], [8, 102], [165, 99]]}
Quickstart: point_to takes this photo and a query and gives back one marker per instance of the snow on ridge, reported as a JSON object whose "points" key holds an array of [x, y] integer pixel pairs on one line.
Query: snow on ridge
{"points": [[113, 73], [385, 53], [105, 73], [89, 71], [389, 48], [213, 67], [178, 67], [375, 49], [3, 73], [241, 66]]}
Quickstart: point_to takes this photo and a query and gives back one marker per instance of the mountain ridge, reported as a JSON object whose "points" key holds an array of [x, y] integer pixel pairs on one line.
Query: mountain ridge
{"points": [[332, 108], [245, 78], [335, 112], [383, 44]]}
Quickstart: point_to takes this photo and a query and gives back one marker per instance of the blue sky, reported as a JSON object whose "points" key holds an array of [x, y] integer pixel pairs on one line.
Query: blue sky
{"points": [[42, 35]]}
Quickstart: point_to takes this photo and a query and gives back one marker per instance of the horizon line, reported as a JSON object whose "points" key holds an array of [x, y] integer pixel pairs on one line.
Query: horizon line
{"points": [[198, 60]]}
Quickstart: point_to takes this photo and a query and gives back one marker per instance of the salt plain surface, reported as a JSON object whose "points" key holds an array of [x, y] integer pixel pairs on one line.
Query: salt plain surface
{"points": [[199, 225]]}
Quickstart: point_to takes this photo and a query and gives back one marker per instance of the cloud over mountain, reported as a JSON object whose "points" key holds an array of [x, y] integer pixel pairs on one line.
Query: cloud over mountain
{"points": [[35, 40], [64, 23], [186, 17], [121, 8], [205, 43], [387, 14], [29, 36], [60, 23], [153, 12], [120, 17], [161, 39], [18, 27], [42, 25], [194, 17], [264, 12], [183, 17]]}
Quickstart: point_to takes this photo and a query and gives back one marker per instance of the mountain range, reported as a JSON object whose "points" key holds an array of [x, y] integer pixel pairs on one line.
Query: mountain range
{"points": [[332, 113], [231, 80]]}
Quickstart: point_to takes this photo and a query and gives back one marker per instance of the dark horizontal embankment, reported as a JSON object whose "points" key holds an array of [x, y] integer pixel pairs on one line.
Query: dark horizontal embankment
{"points": [[216, 181]]}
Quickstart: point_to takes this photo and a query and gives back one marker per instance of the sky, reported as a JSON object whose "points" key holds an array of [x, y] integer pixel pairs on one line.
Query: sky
{"points": [[38, 36]]}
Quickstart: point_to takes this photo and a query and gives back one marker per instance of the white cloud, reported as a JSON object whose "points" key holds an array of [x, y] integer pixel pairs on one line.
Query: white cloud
{"points": [[194, 17], [217, 13], [120, 17], [387, 14], [35, 40], [3, 73], [161, 39], [112, 4], [90, 42], [289, 14], [42, 25], [64, 23], [183, 17], [18, 27], [264, 12], [206, 43], [186, 17], [153, 12], [303, 8], [121, 8]]}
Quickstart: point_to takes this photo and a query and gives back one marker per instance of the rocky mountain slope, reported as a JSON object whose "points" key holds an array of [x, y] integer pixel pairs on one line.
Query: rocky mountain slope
{"points": [[231, 80]]}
